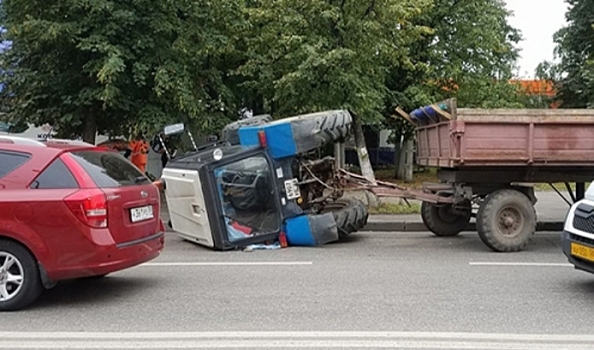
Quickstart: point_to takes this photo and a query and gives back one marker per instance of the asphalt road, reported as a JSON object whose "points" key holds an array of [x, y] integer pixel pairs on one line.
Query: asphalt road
{"points": [[390, 290]]}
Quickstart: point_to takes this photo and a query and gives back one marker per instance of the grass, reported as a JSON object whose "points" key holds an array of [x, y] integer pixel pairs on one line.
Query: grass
{"points": [[547, 187], [396, 209], [419, 178]]}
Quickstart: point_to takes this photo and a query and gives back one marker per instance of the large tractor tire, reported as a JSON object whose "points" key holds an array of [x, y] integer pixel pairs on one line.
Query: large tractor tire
{"points": [[231, 132], [350, 215], [300, 134], [443, 220], [314, 130], [506, 221]]}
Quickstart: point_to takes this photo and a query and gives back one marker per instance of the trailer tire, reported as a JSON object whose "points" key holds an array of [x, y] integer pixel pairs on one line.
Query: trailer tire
{"points": [[230, 132], [506, 221], [350, 215], [442, 222]]}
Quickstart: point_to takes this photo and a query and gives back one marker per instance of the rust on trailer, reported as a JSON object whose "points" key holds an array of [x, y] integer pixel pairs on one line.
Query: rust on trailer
{"points": [[350, 181]]}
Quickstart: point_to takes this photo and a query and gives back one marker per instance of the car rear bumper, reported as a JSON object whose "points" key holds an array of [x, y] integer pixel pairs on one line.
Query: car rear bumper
{"points": [[108, 259], [578, 263]]}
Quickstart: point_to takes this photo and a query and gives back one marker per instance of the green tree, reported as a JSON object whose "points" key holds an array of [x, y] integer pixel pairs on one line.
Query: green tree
{"points": [[575, 49], [107, 65], [471, 55], [312, 55]]}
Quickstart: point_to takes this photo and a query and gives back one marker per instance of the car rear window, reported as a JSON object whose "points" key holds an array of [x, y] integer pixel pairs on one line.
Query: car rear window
{"points": [[55, 176], [108, 169], [9, 161]]}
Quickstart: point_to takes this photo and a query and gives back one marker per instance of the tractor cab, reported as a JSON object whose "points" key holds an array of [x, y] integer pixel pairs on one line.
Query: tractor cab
{"points": [[223, 197]]}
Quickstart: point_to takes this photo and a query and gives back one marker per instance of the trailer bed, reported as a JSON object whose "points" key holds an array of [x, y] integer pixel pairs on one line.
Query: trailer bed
{"points": [[469, 138]]}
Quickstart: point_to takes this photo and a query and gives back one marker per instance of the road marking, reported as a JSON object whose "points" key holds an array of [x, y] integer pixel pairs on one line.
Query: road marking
{"points": [[288, 334], [476, 263], [295, 344], [230, 263], [305, 340]]}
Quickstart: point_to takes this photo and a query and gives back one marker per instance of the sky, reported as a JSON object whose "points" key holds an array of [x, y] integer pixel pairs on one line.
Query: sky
{"points": [[538, 20]]}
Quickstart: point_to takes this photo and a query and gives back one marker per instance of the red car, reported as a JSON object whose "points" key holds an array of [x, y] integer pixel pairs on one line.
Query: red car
{"points": [[70, 210]]}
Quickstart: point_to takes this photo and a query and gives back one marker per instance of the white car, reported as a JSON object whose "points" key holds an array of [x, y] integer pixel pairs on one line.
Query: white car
{"points": [[578, 233]]}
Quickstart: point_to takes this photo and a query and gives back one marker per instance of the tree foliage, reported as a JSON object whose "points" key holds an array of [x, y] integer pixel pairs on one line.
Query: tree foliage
{"points": [[108, 65], [320, 54], [111, 65], [470, 54], [575, 49]]}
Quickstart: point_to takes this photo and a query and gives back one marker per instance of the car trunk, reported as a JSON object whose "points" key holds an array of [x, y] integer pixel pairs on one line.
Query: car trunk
{"points": [[133, 203], [132, 212]]}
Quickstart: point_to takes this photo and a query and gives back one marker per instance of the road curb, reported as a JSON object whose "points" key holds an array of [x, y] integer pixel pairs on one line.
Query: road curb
{"points": [[402, 226]]}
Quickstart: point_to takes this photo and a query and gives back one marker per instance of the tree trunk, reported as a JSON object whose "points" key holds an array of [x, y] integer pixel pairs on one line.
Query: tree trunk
{"points": [[402, 161], [363, 154], [408, 174], [397, 148], [89, 128]]}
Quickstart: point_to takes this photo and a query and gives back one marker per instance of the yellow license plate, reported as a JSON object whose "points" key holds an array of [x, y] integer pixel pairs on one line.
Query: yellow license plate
{"points": [[582, 251]]}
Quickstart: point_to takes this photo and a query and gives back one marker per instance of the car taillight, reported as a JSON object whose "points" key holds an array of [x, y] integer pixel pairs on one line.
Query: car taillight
{"points": [[89, 206]]}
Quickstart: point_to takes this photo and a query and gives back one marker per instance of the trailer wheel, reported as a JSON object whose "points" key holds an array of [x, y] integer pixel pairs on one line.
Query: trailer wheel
{"points": [[231, 132], [350, 215], [506, 221], [444, 221]]}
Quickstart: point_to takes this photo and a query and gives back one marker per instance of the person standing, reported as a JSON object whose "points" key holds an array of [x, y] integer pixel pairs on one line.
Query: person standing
{"points": [[138, 150], [164, 147]]}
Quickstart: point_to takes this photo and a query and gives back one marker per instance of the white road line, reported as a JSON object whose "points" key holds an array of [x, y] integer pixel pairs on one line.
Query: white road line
{"points": [[261, 340], [476, 263], [294, 344], [296, 335], [231, 263]]}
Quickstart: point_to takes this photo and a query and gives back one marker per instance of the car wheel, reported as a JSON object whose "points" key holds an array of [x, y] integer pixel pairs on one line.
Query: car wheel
{"points": [[20, 282]]}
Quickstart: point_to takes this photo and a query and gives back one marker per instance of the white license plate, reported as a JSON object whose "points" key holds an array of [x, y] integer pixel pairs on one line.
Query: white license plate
{"points": [[142, 213], [292, 189]]}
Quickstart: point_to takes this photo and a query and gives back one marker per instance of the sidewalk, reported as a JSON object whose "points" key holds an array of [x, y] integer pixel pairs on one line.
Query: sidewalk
{"points": [[550, 211]]}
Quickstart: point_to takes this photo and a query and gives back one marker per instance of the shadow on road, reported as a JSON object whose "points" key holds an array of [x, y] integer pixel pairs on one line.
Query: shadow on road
{"points": [[585, 285], [95, 291]]}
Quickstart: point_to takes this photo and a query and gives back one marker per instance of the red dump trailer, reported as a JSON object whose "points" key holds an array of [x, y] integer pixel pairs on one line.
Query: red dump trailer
{"points": [[488, 161]]}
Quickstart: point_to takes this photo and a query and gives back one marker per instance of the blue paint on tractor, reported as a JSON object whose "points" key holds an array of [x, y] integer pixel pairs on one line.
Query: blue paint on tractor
{"points": [[279, 137], [299, 232], [311, 230], [248, 136]]}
